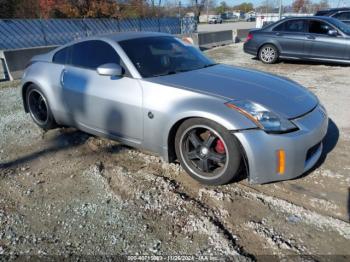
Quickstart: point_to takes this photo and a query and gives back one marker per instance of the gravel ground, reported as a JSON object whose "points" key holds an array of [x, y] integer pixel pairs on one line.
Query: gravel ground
{"points": [[64, 192]]}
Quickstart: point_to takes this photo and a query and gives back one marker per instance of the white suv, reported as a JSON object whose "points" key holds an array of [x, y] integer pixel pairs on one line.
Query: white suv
{"points": [[215, 20]]}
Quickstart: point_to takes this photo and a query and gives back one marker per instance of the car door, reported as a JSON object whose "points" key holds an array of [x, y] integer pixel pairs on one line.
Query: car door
{"points": [[322, 45], [103, 104], [291, 36], [343, 16]]}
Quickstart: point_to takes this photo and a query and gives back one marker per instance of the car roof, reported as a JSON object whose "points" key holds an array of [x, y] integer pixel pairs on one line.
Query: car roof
{"points": [[129, 35], [335, 9], [272, 25], [310, 17], [116, 37], [324, 18], [331, 11]]}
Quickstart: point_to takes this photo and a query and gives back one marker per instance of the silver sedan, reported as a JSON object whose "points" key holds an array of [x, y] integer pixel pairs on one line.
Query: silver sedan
{"points": [[153, 91]]}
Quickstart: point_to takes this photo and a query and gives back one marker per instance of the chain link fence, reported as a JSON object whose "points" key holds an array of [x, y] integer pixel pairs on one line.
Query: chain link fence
{"points": [[26, 33]]}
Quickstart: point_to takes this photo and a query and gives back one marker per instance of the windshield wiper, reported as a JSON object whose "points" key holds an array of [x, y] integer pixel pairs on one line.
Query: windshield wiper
{"points": [[167, 73], [173, 72]]}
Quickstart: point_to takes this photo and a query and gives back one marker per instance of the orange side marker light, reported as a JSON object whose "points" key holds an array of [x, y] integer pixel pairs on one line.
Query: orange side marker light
{"points": [[281, 161]]}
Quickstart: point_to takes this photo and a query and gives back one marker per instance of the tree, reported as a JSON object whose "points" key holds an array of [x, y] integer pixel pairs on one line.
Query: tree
{"points": [[104, 8], [46, 7], [222, 8], [135, 9], [300, 6], [19, 9], [8, 8], [27, 9], [79, 8], [198, 6], [323, 4], [245, 7], [86, 8]]}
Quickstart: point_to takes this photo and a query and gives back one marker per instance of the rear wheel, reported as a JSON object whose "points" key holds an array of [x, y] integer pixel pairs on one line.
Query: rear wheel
{"points": [[207, 151], [268, 54], [39, 108]]}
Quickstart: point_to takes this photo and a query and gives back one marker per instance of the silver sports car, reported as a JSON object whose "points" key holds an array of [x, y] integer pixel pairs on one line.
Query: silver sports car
{"points": [[153, 91]]}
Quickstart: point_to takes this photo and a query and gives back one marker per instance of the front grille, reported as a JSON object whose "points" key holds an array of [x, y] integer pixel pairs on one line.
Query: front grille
{"points": [[312, 150]]}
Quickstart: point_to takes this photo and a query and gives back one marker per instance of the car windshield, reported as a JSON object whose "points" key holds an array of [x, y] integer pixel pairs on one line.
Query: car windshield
{"points": [[345, 28], [158, 56]]}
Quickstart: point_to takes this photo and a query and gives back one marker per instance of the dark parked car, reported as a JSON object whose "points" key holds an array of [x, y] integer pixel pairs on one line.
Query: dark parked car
{"points": [[342, 14], [250, 19], [308, 38]]}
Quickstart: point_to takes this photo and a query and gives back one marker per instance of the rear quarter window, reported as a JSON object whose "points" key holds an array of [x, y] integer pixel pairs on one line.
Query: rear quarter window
{"points": [[342, 16], [291, 26], [61, 56]]}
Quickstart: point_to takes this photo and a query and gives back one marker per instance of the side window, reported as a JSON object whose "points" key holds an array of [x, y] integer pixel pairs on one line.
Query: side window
{"points": [[61, 56], [291, 26], [342, 16], [92, 54], [279, 28], [319, 27]]}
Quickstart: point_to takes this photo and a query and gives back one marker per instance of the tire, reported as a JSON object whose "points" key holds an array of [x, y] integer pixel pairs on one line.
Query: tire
{"points": [[39, 108], [268, 54], [203, 156]]}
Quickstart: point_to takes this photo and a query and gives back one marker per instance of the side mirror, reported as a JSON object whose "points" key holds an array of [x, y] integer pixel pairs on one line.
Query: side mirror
{"points": [[110, 69], [332, 32]]}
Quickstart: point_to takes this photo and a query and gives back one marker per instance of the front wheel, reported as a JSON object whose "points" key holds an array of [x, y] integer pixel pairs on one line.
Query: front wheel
{"points": [[207, 151], [268, 54]]}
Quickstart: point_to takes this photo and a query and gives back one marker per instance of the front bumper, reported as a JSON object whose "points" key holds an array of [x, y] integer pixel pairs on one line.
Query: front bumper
{"points": [[302, 148]]}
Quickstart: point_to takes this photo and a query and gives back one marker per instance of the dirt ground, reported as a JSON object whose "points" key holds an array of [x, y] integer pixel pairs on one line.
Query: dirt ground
{"points": [[64, 192]]}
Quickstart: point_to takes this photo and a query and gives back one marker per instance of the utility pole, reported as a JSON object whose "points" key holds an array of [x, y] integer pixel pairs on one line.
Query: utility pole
{"points": [[180, 17], [207, 11], [180, 9], [280, 10]]}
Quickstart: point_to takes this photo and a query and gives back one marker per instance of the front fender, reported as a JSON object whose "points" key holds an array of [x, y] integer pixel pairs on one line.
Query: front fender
{"points": [[171, 105], [215, 111]]}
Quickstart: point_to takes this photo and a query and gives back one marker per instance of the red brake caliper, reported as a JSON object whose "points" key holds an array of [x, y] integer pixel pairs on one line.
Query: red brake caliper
{"points": [[220, 147]]}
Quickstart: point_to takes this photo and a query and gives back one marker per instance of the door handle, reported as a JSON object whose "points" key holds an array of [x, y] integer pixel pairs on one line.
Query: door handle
{"points": [[279, 34], [62, 77], [310, 37]]}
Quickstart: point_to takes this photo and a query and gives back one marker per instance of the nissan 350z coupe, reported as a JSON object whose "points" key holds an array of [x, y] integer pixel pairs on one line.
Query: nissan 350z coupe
{"points": [[152, 91]]}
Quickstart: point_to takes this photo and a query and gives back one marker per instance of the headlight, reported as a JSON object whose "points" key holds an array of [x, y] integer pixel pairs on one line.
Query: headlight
{"points": [[262, 117]]}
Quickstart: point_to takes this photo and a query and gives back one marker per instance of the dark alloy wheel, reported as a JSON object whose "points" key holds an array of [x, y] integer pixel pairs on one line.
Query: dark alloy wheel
{"points": [[207, 151], [39, 109]]}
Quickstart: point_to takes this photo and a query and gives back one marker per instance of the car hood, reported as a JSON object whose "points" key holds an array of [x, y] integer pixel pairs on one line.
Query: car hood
{"points": [[281, 95]]}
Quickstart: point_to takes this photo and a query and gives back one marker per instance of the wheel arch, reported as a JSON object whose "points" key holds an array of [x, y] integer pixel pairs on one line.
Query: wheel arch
{"points": [[232, 124], [274, 43], [171, 139], [172, 157], [25, 87]]}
